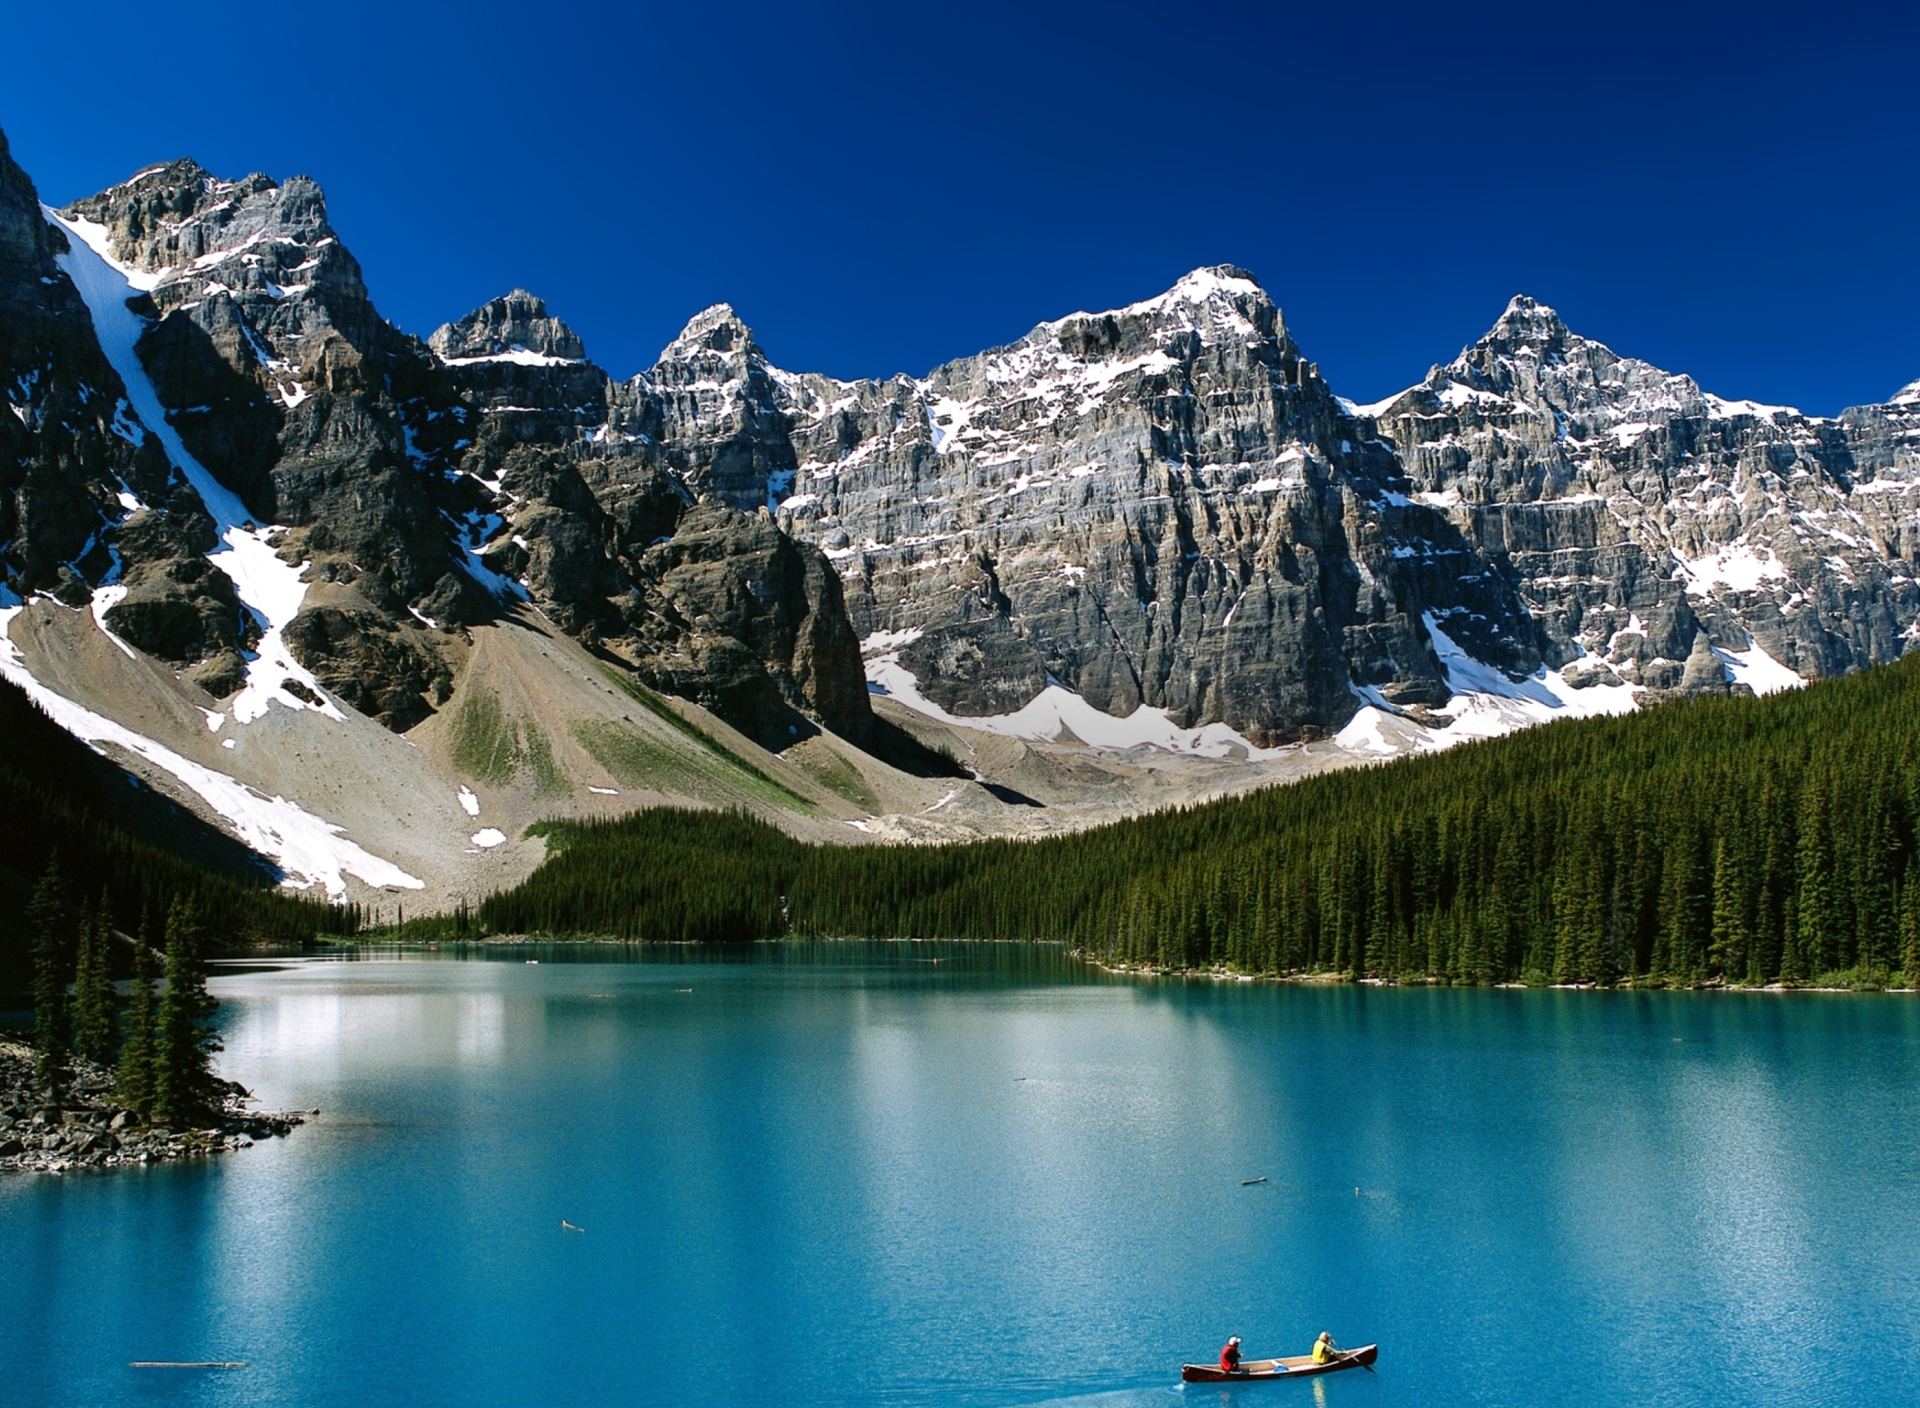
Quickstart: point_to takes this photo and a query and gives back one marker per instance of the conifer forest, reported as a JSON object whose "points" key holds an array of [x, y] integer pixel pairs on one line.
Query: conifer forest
{"points": [[1734, 841]]}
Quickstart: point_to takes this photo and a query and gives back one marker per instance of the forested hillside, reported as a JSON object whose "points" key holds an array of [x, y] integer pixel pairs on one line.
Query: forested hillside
{"points": [[1732, 840], [57, 796]]}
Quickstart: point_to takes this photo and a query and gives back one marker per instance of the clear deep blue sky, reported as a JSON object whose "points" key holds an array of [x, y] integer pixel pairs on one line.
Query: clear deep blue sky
{"points": [[1727, 190]]}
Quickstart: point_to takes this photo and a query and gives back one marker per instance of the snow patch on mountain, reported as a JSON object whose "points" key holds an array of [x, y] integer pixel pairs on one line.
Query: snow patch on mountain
{"points": [[1058, 714], [517, 355], [307, 849], [1485, 703], [1757, 670], [1739, 567]]}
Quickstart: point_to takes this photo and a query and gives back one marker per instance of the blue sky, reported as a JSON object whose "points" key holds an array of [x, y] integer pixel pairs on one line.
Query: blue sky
{"points": [[1725, 190]]}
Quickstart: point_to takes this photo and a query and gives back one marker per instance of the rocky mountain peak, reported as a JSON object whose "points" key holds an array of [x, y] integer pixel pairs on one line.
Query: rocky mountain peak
{"points": [[515, 327], [1908, 395], [168, 221], [1220, 302], [1531, 361], [1525, 333], [716, 329], [23, 233]]}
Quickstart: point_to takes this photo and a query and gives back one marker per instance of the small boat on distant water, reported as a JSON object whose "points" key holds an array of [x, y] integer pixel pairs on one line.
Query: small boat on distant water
{"points": [[1300, 1366]]}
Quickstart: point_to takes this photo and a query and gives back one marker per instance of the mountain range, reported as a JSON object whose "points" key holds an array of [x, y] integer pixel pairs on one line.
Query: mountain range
{"points": [[373, 604]]}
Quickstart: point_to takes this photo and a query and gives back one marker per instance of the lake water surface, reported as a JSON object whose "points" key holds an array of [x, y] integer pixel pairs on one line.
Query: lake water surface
{"points": [[845, 1174]]}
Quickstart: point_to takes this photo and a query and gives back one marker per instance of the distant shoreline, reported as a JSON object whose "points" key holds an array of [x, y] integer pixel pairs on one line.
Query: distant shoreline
{"points": [[1330, 979]]}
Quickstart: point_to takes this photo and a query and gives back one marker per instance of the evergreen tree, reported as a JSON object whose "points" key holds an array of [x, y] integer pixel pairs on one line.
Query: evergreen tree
{"points": [[184, 1039], [47, 919], [135, 1085], [1727, 958], [1818, 927], [93, 1014], [1683, 898]]}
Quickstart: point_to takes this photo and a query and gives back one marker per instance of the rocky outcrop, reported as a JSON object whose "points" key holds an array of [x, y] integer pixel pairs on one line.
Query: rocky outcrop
{"points": [[364, 661], [599, 526], [514, 329], [89, 1130], [90, 509], [741, 618]]}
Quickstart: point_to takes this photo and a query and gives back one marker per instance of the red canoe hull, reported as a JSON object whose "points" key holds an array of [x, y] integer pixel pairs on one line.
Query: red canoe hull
{"points": [[1301, 1368]]}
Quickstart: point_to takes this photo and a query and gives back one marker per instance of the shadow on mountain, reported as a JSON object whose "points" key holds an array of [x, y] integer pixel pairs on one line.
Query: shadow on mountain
{"points": [[894, 746], [1009, 796]]}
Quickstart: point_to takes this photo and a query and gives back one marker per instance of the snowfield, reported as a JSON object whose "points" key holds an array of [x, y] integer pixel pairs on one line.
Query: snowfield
{"points": [[307, 849], [1485, 703]]}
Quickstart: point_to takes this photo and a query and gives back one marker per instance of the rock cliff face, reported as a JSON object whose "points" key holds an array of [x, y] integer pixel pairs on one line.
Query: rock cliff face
{"points": [[1639, 512], [583, 511], [1163, 505], [421, 486], [281, 378], [93, 512]]}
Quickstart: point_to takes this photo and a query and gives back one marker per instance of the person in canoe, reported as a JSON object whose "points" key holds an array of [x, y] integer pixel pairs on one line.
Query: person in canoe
{"points": [[1230, 1356], [1325, 1351]]}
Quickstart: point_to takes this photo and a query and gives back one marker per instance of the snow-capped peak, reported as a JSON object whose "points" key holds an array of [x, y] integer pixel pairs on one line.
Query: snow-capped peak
{"points": [[1216, 298], [1908, 395]]}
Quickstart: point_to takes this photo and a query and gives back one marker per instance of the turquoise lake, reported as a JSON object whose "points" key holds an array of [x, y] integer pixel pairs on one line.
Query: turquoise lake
{"points": [[847, 1174]]}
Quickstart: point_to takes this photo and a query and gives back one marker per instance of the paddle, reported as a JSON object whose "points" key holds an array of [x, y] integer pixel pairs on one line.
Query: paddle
{"points": [[1349, 1354]]}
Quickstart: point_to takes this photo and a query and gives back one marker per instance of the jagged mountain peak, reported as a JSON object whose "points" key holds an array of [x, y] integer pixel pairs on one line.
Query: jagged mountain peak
{"points": [[168, 220], [1215, 300], [1530, 359], [513, 327], [181, 171], [1526, 330], [714, 329], [1908, 395]]}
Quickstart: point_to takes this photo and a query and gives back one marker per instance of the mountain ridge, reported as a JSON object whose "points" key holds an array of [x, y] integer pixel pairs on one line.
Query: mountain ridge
{"points": [[1130, 543]]}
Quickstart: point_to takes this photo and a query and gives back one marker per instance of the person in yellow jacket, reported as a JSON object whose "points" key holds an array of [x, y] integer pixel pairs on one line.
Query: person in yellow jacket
{"points": [[1324, 1349]]}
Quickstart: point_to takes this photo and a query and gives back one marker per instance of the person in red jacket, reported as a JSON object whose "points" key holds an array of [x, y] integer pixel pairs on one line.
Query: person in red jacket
{"points": [[1230, 1356]]}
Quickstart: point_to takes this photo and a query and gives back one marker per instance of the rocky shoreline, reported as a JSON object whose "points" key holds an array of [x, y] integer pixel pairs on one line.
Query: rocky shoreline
{"points": [[89, 1130], [1334, 977]]}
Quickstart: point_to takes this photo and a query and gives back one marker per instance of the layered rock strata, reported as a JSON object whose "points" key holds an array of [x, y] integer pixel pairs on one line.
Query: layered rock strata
{"points": [[1160, 506]]}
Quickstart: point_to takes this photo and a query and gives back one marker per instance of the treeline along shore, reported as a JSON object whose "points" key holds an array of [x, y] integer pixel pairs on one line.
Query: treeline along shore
{"points": [[111, 899], [1715, 842], [113, 838]]}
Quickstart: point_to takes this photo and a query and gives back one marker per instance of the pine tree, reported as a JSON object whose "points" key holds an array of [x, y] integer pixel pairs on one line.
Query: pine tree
{"points": [[1727, 958], [47, 919], [1910, 928], [93, 1020], [135, 1085], [1682, 899], [183, 1075], [1815, 893], [1875, 905]]}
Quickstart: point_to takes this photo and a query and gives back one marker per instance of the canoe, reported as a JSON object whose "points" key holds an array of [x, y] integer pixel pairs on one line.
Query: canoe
{"points": [[1300, 1366]]}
